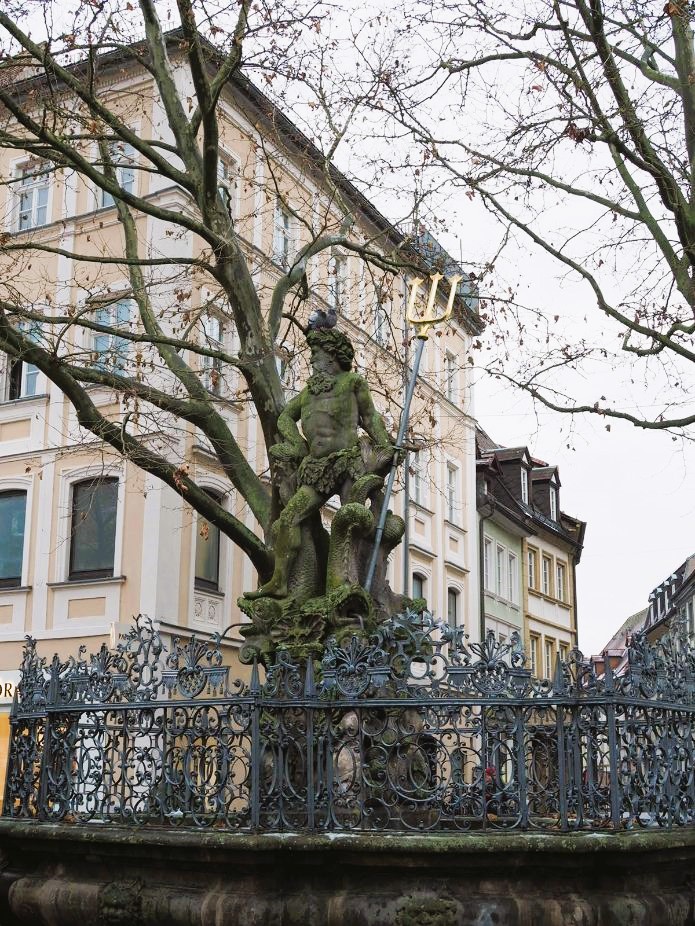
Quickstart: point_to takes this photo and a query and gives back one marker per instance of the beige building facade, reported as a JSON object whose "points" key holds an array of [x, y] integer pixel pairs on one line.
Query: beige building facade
{"points": [[88, 538]]}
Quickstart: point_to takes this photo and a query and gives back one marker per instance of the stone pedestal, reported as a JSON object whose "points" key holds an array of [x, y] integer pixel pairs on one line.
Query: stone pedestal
{"points": [[102, 875]]}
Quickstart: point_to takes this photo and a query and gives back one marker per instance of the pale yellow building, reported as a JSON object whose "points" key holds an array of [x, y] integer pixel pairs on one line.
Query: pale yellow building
{"points": [[87, 539]]}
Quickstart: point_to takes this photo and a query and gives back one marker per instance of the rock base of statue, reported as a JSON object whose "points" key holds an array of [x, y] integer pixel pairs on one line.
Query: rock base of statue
{"points": [[301, 622]]}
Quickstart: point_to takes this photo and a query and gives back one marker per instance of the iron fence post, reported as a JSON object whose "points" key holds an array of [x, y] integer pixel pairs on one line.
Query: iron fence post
{"points": [[256, 752], [43, 780], [613, 756], [561, 765], [521, 767], [310, 696], [576, 757]]}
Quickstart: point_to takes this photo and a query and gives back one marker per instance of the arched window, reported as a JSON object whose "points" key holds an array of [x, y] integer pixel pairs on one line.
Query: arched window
{"points": [[207, 553], [13, 506], [419, 585], [93, 528], [452, 607]]}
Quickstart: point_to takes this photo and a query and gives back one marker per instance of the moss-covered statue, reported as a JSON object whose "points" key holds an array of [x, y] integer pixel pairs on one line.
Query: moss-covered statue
{"points": [[343, 448]]}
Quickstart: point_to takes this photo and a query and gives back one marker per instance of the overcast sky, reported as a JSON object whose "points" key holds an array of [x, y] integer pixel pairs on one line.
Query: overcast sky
{"points": [[634, 488]]}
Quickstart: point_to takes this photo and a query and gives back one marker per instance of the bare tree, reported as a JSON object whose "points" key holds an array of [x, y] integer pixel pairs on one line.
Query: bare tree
{"points": [[572, 122], [73, 107]]}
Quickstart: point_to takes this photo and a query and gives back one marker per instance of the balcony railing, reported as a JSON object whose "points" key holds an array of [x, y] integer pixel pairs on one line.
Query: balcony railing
{"points": [[415, 729]]}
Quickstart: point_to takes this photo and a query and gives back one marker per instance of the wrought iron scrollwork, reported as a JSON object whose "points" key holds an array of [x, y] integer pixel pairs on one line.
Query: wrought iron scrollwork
{"points": [[414, 729]]}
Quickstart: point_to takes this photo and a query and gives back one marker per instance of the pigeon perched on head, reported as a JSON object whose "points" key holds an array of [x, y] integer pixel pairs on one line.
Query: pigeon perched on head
{"points": [[322, 319]]}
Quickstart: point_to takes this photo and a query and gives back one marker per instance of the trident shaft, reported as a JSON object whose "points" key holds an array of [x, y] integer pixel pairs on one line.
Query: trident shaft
{"points": [[422, 324]]}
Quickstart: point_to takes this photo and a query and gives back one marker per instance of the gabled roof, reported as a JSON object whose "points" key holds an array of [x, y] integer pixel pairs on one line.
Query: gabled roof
{"points": [[504, 454], [545, 474], [569, 528]]}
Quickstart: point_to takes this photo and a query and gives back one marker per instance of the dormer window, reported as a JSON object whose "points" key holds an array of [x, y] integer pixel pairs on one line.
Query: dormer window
{"points": [[524, 485], [553, 503]]}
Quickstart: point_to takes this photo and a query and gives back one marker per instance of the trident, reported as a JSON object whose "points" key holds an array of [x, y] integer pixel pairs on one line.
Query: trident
{"points": [[423, 325]]}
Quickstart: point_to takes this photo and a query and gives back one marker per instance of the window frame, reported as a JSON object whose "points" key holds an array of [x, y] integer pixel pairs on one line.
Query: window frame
{"points": [[453, 504], [229, 179], [561, 590], [418, 493], [512, 577], [117, 347], [127, 165], [532, 568], [487, 564], [452, 596], [524, 485], [18, 371], [553, 503], [80, 575], [533, 642], [9, 491], [211, 371], [549, 655], [200, 583], [450, 377], [43, 173], [283, 235], [381, 322], [422, 579], [338, 276], [500, 570], [546, 575]]}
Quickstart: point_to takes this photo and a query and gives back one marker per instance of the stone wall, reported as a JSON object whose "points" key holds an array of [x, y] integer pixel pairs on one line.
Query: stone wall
{"points": [[98, 875]]}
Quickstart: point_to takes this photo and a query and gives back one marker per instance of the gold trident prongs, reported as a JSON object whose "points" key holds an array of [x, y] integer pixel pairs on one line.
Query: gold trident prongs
{"points": [[430, 318]]}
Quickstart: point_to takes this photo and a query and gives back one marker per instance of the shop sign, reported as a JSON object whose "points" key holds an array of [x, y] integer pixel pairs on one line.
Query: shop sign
{"points": [[8, 682]]}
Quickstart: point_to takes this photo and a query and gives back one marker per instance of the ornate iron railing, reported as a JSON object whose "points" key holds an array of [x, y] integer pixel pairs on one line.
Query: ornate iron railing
{"points": [[415, 729]]}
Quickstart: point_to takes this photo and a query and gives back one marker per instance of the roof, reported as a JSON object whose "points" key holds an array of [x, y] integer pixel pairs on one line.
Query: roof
{"points": [[571, 529], [633, 623], [485, 443]]}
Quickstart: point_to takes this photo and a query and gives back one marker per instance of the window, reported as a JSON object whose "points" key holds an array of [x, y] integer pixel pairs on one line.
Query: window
{"points": [[533, 655], [512, 579], [450, 372], [93, 528], [31, 193], [553, 503], [122, 157], [228, 182], [381, 322], [452, 607], [545, 586], [282, 236], [532, 567], [560, 581], [207, 554], [337, 283], [524, 485], [22, 377], [418, 487], [212, 366], [418, 585], [12, 514], [111, 351], [452, 494], [549, 658], [690, 616], [564, 652], [487, 564], [501, 571]]}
